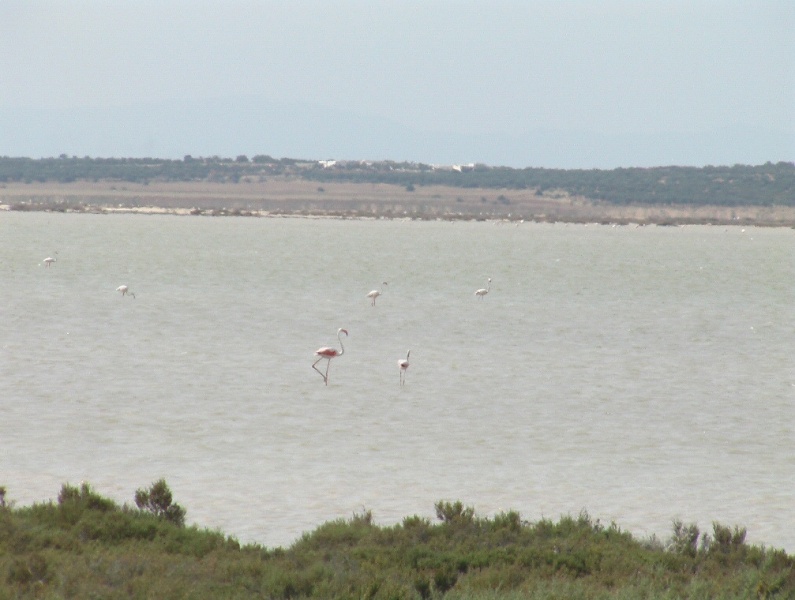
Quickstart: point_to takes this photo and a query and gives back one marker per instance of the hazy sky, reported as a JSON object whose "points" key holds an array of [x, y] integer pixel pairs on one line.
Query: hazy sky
{"points": [[425, 76]]}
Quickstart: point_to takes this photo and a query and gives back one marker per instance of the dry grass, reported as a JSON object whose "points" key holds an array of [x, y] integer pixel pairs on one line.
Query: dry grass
{"points": [[296, 196]]}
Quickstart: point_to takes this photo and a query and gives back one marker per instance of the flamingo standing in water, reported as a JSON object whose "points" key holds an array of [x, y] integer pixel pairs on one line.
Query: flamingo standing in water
{"points": [[483, 291], [328, 354], [125, 290], [375, 293], [48, 261], [404, 366]]}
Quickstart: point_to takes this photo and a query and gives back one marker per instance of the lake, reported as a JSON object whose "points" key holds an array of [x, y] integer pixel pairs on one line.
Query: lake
{"points": [[643, 374]]}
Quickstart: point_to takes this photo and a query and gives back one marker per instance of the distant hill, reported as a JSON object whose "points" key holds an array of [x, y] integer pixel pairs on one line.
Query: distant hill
{"points": [[739, 185]]}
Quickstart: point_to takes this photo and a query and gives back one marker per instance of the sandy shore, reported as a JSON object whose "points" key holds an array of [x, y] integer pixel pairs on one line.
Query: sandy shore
{"points": [[296, 197]]}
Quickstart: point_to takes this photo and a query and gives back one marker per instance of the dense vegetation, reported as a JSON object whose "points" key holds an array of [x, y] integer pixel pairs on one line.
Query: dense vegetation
{"points": [[87, 546], [739, 185]]}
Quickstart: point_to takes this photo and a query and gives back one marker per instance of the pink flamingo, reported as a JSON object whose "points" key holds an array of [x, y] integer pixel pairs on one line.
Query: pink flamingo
{"points": [[375, 293], [404, 366], [125, 290], [483, 291], [48, 261], [328, 354]]}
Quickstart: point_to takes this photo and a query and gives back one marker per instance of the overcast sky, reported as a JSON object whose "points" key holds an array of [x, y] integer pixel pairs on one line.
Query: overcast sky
{"points": [[511, 82]]}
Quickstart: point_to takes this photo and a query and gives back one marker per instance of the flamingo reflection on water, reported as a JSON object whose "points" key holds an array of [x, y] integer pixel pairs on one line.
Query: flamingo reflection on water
{"points": [[328, 354]]}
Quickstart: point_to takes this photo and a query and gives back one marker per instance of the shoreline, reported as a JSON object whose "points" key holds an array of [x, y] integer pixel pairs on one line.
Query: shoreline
{"points": [[358, 215], [298, 198]]}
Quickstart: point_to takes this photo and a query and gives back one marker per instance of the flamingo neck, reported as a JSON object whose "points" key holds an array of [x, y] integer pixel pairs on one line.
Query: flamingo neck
{"points": [[342, 348]]}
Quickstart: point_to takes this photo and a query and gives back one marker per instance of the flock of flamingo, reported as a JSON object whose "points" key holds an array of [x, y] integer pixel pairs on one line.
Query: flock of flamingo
{"points": [[327, 353], [122, 288]]}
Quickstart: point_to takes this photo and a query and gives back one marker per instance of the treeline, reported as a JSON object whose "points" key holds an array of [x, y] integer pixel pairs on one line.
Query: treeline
{"points": [[738, 185], [66, 169]]}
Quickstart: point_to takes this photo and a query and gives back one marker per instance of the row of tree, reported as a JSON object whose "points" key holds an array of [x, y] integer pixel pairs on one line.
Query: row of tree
{"points": [[738, 185]]}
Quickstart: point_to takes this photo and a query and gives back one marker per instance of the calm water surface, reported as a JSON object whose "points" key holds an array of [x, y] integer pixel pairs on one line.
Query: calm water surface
{"points": [[642, 374]]}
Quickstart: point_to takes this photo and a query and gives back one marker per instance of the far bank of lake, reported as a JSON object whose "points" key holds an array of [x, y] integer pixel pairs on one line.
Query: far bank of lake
{"points": [[297, 197]]}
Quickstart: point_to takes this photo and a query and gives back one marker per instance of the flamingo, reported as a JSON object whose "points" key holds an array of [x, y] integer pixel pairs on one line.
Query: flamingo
{"points": [[48, 261], [328, 354], [404, 366], [375, 293], [125, 290], [483, 291]]}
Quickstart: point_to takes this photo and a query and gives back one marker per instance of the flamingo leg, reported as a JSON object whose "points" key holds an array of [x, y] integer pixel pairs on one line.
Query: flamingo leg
{"points": [[328, 364], [314, 366]]}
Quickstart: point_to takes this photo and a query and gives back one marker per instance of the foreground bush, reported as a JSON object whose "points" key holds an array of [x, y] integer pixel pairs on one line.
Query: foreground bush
{"points": [[157, 500], [88, 546]]}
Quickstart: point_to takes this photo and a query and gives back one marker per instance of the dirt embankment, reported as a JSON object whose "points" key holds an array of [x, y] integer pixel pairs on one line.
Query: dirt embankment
{"points": [[300, 197]]}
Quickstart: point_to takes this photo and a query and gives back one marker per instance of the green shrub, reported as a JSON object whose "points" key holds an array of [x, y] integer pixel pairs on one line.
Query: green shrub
{"points": [[29, 569], [103, 550], [454, 513], [157, 500], [725, 540], [684, 539], [444, 579], [416, 522], [84, 498], [423, 586], [510, 520]]}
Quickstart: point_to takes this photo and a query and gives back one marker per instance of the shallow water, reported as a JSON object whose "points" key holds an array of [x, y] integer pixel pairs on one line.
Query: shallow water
{"points": [[642, 374]]}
